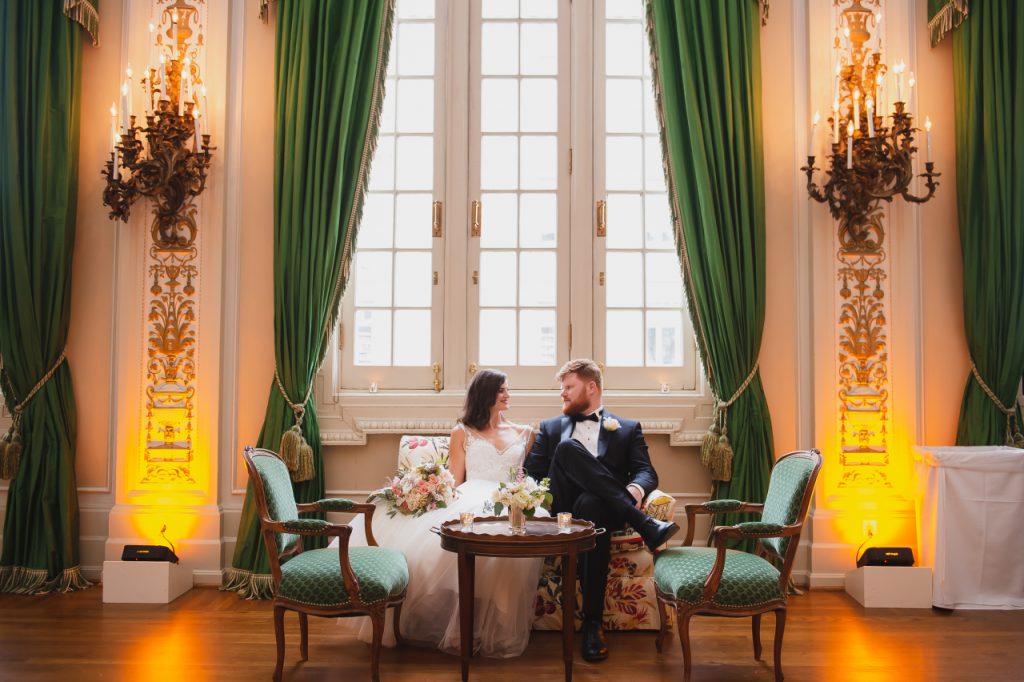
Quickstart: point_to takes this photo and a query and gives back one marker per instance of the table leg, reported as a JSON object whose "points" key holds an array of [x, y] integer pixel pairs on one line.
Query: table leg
{"points": [[568, 609], [467, 568]]}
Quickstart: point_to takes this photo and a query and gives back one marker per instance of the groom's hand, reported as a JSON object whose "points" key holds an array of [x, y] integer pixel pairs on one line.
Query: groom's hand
{"points": [[637, 492]]}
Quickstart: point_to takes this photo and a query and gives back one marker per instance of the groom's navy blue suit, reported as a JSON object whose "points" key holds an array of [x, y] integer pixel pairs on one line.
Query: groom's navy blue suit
{"points": [[594, 488]]}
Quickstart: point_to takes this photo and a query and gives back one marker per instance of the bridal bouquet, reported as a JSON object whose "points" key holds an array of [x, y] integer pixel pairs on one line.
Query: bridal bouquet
{"points": [[521, 492], [418, 490]]}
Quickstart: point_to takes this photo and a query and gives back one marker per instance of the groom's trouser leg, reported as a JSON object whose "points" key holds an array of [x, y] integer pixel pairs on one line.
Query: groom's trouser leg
{"points": [[593, 565], [574, 470]]}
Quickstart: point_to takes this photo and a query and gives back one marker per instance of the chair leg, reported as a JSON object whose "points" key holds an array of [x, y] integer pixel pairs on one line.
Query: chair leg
{"points": [[659, 641], [279, 635], [377, 618], [683, 626], [396, 623], [755, 628], [780, 627], [304, 636]]}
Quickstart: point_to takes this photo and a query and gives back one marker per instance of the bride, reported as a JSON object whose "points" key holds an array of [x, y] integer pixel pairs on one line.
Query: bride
{"points": [[483, 449]]}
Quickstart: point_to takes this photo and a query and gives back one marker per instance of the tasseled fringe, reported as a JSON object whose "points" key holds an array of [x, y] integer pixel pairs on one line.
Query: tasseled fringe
{"points": [[247, 584], [715, 450], [22, 580], [946, 19], [297, 454], [10, 453], [82, 12]]}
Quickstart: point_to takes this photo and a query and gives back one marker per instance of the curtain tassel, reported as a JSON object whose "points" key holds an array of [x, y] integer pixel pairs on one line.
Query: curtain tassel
{"points": [[296, 452], [716, 451], [10, 452]]}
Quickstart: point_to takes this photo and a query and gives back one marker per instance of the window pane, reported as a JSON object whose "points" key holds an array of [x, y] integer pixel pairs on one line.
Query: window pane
{"points": [[499, 49], [654, 169], [624, 279], [499, 103], [538, 220], [415, 105], [414, 163], [537, 278], [624, 9], [658, 222], [499, 162], [498, 218], [540, 162], [664, 334], [412, 338], [539, 9], [373, 278], [539, 49], [664, 281], [539, 112], [412, 279], [415, 9], [625, 338], [497, 278], [372, 337], [623, 105], [415, 49], [414, 221], [382, 168], [500, 9], [625, 221], [624, 49], [537, 337], [623, 165], [375, 226], [497, 337]]}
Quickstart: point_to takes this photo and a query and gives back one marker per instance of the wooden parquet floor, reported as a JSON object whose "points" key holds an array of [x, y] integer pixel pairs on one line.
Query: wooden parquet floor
{"points": [[212, 635]]}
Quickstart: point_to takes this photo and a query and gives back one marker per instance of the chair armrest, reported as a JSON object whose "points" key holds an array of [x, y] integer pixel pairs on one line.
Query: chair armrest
{"points": [[310, 527], [340, 504], [715, 507]]}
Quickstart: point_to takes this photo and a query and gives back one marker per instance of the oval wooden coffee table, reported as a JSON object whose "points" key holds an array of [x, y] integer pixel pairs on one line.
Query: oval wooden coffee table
{"points": [[491, 536]]}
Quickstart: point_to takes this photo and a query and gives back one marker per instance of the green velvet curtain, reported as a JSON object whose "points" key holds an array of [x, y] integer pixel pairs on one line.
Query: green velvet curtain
{"points": [[988, 78], [40, 77], [707, 72], [330, 63]]}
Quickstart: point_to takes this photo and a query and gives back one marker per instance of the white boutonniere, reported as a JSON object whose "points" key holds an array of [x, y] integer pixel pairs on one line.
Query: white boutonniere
{"points": [[611, 424]]}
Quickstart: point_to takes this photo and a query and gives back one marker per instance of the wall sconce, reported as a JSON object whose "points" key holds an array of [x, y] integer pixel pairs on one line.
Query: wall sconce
{"points": [[174, 171], [869, 162]]}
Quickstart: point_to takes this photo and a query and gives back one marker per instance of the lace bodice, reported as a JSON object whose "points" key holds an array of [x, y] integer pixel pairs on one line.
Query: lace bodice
{"points": [[485, 462]]}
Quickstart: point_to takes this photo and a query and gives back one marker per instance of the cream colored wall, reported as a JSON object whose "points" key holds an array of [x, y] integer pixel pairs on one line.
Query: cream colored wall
{"points": [[798, 355]]}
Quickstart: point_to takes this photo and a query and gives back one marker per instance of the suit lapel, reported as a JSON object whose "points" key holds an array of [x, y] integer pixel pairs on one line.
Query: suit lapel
{"points": [[602, 436], [566, 429]]}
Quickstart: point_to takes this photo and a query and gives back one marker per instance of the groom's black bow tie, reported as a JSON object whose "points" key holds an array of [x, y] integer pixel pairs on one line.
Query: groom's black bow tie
{"points": [[585, 417]]}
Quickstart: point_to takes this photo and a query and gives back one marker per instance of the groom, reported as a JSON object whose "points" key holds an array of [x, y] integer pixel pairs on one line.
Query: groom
{"points": [[600, 471]]}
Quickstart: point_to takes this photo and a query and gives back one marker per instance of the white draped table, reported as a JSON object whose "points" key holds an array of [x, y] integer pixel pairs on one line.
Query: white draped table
{"points": [[970, 525]]}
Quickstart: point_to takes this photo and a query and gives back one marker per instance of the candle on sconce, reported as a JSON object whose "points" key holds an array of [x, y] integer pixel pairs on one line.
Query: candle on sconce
{"points": [[113, 125], [124, 105], [869, 104], [174, 24], [814, 128], [856, 107], [879, 92], [835, 121], [206, 109], [911, 82], [849, 145], [928, 137], [163, 76], [131, 108], [186, 69], [152, 44], [898, 70], [195, 127]]}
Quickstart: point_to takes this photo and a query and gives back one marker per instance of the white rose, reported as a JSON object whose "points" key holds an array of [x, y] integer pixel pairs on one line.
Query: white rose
{"points": [[611, 424]]}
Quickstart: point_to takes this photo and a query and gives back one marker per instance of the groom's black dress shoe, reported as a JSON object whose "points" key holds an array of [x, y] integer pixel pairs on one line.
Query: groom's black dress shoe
{"points": [[656, 533], [595, 648]]}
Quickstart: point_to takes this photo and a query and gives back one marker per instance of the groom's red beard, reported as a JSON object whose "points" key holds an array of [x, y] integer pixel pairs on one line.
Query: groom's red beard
{"points": [[578, 406]]}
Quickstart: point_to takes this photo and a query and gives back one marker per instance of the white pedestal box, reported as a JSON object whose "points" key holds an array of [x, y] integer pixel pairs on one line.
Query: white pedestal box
{"points": [[900, 587], [144, 582]]}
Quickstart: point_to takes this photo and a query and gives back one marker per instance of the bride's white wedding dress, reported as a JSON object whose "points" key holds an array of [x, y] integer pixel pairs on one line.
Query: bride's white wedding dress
{"points": [[505, 587]]}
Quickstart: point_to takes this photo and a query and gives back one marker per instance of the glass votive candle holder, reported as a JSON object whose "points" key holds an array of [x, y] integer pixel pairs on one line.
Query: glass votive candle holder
{"points": [[564, 521], [466, 518]]}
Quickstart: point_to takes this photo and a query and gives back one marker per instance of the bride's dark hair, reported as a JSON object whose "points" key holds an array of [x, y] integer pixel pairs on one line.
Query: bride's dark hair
{"points": [[480, 397]]}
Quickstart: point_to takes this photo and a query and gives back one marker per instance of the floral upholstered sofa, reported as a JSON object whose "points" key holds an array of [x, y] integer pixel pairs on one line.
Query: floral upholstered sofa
{"points": [[629, 601]]}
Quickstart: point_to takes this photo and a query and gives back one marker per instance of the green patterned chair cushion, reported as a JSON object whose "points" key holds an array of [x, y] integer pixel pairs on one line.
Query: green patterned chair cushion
{"points": [[759, 527], [722, 505], [335, 504], [747, 580], [314, 577], [785, 493], [277, 485]]}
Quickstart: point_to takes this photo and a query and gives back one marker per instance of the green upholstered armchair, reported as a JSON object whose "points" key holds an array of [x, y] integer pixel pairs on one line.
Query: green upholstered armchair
{"points": [[323, 582], [724, 582]]}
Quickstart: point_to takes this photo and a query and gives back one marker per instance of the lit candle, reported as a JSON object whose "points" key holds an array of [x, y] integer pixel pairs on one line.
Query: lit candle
{"points": [[835, 86], [195, 126], [898, 70], [124, 105], [835, 122], [928, 136], [206, 108], [174, 24], [879, 91], [163, 76], [116, 140], [113, 124], [910, 90], [856, 107], [131, 108], [185, 70], [810, 139], [869, 104], [849, 145], [151, 43]]}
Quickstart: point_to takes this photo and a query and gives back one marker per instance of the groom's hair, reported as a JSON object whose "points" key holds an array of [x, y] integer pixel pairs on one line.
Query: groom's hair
{"points": [[584, 368]]}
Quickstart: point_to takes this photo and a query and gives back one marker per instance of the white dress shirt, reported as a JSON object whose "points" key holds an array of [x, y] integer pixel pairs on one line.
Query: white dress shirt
{"points": [[588, 432]]}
